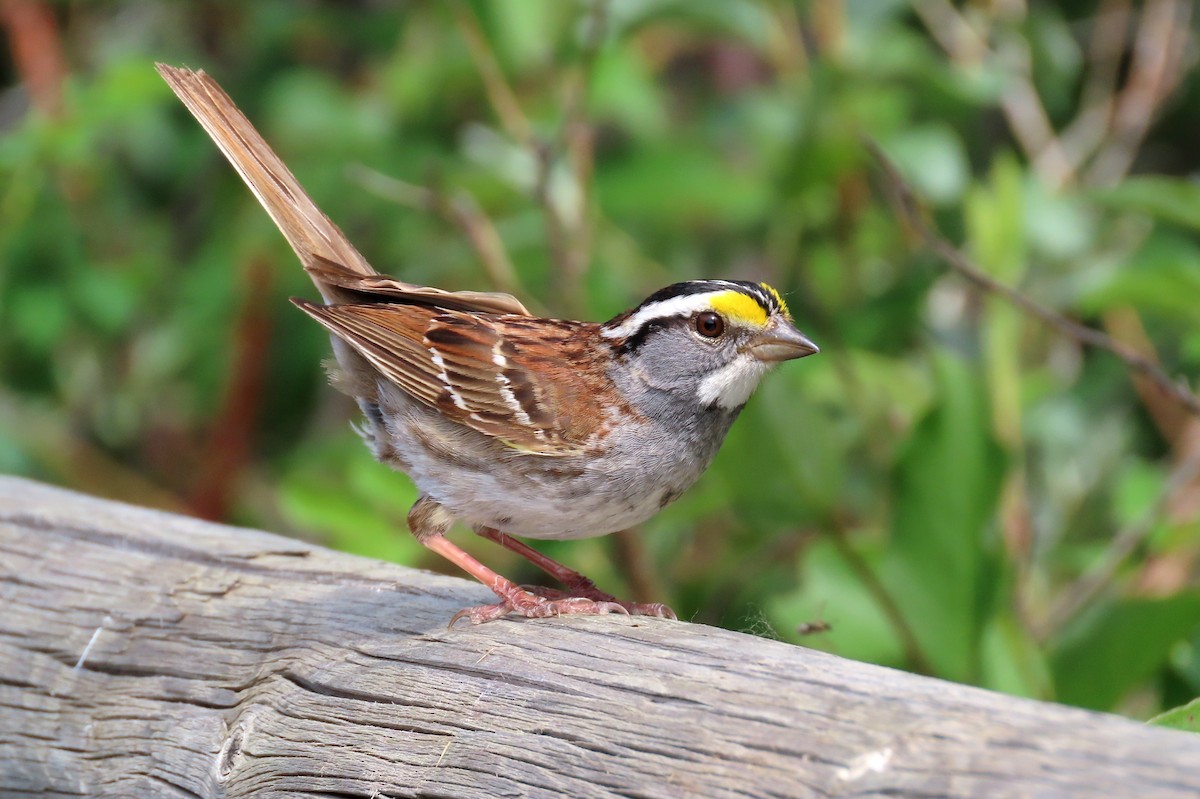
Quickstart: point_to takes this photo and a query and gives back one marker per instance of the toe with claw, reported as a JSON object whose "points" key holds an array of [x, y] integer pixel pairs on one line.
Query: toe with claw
{"points": [[536, 606]]}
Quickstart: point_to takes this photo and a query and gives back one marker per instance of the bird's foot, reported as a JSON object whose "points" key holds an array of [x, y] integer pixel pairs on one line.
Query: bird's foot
{"points": [[590, 591], [539, 602], [533, 606]]}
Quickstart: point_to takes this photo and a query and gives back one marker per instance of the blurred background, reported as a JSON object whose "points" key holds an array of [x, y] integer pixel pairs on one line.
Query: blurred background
{"points": [[952, 487]]}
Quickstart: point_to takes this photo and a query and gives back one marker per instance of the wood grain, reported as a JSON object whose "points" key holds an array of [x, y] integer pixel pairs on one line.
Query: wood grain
{"points": [[144, 654]]}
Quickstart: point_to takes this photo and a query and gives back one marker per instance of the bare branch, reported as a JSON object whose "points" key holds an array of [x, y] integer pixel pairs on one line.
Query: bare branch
{"points": [[1090, 128], [1155, 72], [499, 93], [461, 211], [1020, 102], [1080, 593], [909, 209], [918, 661]]}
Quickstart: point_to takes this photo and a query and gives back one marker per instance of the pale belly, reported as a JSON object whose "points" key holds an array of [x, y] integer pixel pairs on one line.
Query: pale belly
{"points": [[483, 483]]}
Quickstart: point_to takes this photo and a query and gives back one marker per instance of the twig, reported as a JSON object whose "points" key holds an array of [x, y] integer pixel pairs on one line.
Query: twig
{"points": [[909, 209], [1077, 596], [1087, 132], [635, 565], [1020, 102], [501, 96], [908, 639], [568, 236], [1154, 74], [461, 211], [558, 232]]}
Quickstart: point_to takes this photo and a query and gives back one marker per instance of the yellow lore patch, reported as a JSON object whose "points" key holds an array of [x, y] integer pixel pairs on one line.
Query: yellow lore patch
{"points": [[738, 307]]}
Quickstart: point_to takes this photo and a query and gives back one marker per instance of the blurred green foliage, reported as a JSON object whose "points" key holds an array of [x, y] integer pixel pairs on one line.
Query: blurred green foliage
{"points": [[950, 486]]}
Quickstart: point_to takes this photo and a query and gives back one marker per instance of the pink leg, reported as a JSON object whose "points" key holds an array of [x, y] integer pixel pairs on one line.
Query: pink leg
{"points": [[577, 585], [429, 522], [515, 599], [564, 574]]}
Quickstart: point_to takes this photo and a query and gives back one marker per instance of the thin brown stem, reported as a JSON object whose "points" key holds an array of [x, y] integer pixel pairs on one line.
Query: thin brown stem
{"points": [[461, 210], [636, 566], [1090, 127], [1156, 70], [500, 95], [1080, 593], [908, 207], [1020, 102], [908, 639]]}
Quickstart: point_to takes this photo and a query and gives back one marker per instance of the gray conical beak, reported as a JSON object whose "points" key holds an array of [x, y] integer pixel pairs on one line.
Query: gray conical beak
{"points": [[781, 342]]}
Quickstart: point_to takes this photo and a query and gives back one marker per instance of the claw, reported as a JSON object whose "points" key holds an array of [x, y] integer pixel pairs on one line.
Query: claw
{"points": [[656, 609], [533, 602], [537, 602]]}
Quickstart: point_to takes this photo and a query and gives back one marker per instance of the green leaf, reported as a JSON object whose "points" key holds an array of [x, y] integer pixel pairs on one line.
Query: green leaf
{"points": [[1184, 717], [1169, 199], [750, 21], [1011, 660], [1161, 276], [1112, 650], [624, 90], [358, 504], [681, 183], [831, 591], [947, 482], [1057, 225], [524, 34], [792, 454], [996, 222], [932, 157]]}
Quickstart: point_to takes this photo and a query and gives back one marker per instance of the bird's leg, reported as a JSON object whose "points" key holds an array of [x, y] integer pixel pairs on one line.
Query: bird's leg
{"points": [[577, 584], [429, 522], [573, 580]]}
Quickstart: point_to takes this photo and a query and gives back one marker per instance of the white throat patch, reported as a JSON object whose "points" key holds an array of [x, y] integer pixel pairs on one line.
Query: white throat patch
{"points": [[731, 386]]}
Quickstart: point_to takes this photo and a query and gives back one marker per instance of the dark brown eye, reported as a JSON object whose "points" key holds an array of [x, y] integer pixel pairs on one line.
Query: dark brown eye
{"points": [[709, 324]]}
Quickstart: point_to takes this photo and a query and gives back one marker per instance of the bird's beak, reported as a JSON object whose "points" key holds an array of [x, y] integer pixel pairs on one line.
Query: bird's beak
{"points": [[781, 342]]}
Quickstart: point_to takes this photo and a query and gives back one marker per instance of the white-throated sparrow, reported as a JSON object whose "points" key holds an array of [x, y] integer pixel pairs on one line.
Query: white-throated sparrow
{"points": [[515, 425]]}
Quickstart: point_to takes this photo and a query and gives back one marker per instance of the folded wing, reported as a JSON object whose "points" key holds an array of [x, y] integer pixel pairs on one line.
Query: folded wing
{"points": [[463, 365]]}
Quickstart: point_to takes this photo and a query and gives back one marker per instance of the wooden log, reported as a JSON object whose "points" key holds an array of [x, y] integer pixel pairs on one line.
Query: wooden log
{"points": [[144, 654]]}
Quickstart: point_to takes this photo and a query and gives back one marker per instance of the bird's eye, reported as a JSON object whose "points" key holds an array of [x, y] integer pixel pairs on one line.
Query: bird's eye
{"points": [[710, 324]]}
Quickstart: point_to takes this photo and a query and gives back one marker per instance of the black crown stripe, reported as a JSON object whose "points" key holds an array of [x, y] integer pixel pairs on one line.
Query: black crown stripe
{"points": [[634, 340]]}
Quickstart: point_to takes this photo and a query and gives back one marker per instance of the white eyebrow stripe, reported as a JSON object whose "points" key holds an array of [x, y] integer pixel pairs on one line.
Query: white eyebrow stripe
{"points": [[676, 306]]}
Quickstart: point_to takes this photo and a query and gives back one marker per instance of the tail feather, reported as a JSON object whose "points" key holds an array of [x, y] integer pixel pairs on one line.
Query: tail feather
{"points": [[308, 231], [339, 271]]}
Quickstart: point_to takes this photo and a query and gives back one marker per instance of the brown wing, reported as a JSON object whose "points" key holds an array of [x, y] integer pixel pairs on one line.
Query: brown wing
{"points": [[381, 288], [464, 366], [330, 259]]}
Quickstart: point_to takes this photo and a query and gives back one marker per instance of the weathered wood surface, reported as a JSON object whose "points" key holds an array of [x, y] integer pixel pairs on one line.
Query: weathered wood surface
{"points": [[144, 654]]}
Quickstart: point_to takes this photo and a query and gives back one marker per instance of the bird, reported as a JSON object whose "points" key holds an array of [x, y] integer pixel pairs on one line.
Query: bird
{"points": [[515, 425]]}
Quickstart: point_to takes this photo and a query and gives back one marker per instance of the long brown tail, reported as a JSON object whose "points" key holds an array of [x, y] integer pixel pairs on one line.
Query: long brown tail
{"points": [[309, 231]]}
